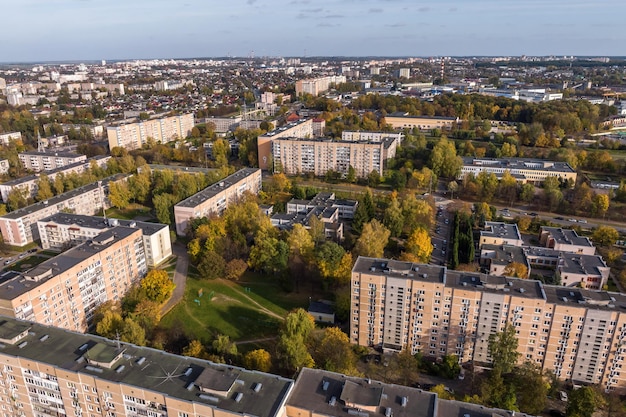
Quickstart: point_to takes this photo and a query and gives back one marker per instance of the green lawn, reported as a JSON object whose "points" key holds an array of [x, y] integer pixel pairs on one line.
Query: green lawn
{"points": [[129, 213], [231, 309], [27, 263]]}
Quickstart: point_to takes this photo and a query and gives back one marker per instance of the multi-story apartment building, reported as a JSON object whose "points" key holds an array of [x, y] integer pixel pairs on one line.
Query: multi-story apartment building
{"points": [[65, 290], [298, 129], [47, 371], [8, 136], [565, 240], [133, 135], [19, 227], [500, 233], [215, 198], [534, 171], [317, 86], [318, 156], [576, 333], [46, 161], [64, 230], [30, 183], [404, 121], [223, 124]]}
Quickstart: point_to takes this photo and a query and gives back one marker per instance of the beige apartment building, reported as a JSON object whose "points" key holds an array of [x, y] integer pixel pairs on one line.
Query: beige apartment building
{"points": [[47, 371], [133, 135], [19, 227], [576, 333], [421, 122], [215, 198], [500, 233], [47, 161], [29, 183], [565, 240], [317, 86], [317, 156], [65, 290], [299, 129], [64, 230]]}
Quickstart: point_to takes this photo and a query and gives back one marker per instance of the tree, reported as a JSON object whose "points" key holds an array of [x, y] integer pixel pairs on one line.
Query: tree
{"points": [[605, 236], [333, 351], [328, 257], [532, 388], [351, 176], [444, 161], [119, 194], [441, 392], [268, 254], [212, 265], [293, 336], [418, 246], [139, 186], [503, 349], [163, 204], [222, 345], [147, 314], [527, 193], [516, 270], [44, 190], [393, 219], [235, 268], [132, 332], [258, 359], [157, 285], [281, 182], [300, 243], [600, 205], [109, 323], [17, 198], [373, 240], [220, 152], [195, 349], [582, 402]]}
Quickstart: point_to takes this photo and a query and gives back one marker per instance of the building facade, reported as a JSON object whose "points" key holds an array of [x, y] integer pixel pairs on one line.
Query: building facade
{"points": [[9, 136], [297, 129], [64, 230], [65, 290], [534, 171], [162, 129], [215, 198], [421, 122], [576, 333], [317, 86], [47, 161]]}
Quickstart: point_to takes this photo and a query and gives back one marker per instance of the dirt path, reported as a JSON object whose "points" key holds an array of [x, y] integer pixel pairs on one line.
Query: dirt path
{"points": [[261, 339], [259, 306]]}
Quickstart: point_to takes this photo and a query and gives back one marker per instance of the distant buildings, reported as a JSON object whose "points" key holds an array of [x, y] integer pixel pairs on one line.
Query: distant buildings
{"points": [[6, 137], [317, 86], [534, 171], [133, 135], [402, 121], [64, 230], [359, 135], [65, 290], [576, 333], [215, 198], [46, 161]]}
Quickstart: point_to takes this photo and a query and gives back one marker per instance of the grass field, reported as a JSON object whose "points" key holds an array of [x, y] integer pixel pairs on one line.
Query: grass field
{"points": [[129, 213], [252, 309]]}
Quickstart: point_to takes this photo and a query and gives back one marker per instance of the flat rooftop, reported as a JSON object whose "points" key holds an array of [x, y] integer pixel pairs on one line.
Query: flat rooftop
{"points": [[400, 269], [519, 163], [52, 154], [567, 236], [331, 394], [575, 263], [154, 370], [96, 222], [214, 189], [504, 254], [50, 268], [450, 408], [526, 288], [501, 230]]}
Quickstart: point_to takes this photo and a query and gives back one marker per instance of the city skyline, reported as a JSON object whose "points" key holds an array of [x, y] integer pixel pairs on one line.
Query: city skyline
{"points": [[92, 30]]}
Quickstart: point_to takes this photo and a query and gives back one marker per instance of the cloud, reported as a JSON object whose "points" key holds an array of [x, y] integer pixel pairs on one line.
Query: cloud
{"points": [[326, 25], [375, 10], [424, 9], [395, 25], [334, 16], [251, 2], [453, 9], [319, 9]]}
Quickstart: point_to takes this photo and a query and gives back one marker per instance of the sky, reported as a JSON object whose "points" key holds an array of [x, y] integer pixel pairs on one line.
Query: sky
{"points": [[56, 30]]}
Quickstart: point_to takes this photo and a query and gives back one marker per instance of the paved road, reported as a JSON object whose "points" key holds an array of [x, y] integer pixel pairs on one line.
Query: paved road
{"points": [[180, 276]]}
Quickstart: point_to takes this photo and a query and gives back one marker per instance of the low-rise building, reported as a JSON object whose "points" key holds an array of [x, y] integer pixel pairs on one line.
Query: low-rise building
{"points": [[500, 233], [215, 198], [565, 240], [64, 230], [404, 121], [46, 161], [496, 259], [534, 171], [65, 290], [9, 136]]}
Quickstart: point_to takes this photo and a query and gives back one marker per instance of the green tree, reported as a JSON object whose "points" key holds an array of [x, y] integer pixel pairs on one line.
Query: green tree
{"points": [[220, 150], [222, 345], [258, 359], [393, 219], [292, 341], [582, 402], [147, 314], [373, 240], [109, 323], [163, 204], [605, 236], [119, 194], [132, 332], [17, 198], [418, 246], [195, 349], [332, 350], [444, 161], [212, 265], [351, 176], [44, 189], [268, 254], [503, 349], [527, 193], [139, 186], [328, 257], [157, 285], [532, 388]]}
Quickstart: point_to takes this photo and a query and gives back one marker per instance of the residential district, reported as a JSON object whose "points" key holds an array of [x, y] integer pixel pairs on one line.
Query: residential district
{"points": [[291, 237]]}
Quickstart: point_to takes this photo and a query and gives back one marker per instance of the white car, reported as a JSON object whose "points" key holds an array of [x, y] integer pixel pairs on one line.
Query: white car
{"points": [[563, 395]]}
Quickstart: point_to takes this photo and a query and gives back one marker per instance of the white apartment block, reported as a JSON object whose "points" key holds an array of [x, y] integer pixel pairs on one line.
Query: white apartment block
{"points": [[64, 230], [8, 136], [358, 135], [534, 171], [317, 86], [317, 156], [576, 333], [46, 161], [19, 227], [215, 198], [133, 135], [29, 183]]}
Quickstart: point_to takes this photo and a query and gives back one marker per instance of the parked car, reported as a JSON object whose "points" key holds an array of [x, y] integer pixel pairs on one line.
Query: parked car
{"points": [[563, 395], [582, 221]]}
